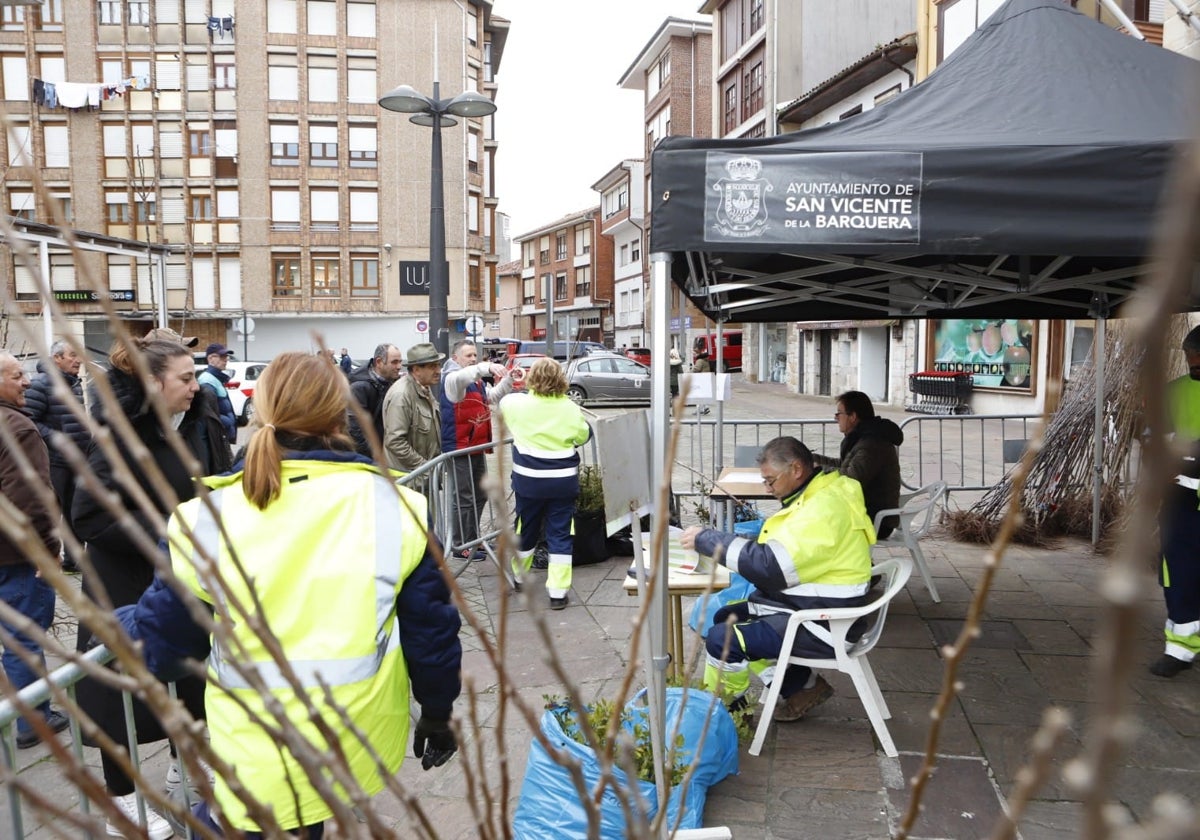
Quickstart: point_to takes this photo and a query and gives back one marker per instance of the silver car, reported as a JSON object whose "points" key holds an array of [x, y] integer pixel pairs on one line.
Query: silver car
{"points": [[607, 377]]}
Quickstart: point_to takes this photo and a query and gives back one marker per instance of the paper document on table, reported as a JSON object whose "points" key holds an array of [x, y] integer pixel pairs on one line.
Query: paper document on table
{"points": [[742, 477], [680, 559]]}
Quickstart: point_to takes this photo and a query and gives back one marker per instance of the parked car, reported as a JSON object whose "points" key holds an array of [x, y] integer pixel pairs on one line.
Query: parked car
{"points": [[242, 378], [639, 354], [607, 377]]}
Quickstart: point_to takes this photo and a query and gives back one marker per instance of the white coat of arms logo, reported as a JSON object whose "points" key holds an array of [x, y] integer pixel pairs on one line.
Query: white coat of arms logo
{"points": [[742, 211]]}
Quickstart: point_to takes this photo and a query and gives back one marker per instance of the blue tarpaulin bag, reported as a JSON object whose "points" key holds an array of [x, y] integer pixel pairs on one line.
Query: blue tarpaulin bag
{"points": [[549, 804]]}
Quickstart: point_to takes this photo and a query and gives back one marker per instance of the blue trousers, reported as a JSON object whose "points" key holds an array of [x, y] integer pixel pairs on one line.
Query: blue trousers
{"points": [[28, 594]]}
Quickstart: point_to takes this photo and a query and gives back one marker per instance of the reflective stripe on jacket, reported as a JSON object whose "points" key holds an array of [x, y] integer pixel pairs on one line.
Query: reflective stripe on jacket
{"points": [[327, 560]]}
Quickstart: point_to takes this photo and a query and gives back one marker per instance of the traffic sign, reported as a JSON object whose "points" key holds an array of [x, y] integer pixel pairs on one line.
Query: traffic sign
{"points": [[422, 326], [474, 325]]}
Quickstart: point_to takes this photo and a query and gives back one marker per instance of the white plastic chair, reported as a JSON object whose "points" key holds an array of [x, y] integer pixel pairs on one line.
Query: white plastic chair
{"points": [[849, 657], [916, 517]]}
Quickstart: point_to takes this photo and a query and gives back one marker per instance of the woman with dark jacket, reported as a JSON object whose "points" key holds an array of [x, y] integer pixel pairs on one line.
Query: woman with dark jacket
{"points": [[122, 570]]}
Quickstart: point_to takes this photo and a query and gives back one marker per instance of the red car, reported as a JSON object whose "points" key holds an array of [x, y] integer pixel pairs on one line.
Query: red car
{"points": [[639, 354]]}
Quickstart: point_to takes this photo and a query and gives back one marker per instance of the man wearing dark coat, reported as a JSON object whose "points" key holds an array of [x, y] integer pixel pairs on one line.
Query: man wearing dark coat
{"points": [[368, 385], [868, 455], [21, 584], [51, 415]]}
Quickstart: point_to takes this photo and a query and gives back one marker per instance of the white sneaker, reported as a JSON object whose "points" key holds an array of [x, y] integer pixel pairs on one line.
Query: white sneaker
{"points": [[174, 782], [156, 827]]}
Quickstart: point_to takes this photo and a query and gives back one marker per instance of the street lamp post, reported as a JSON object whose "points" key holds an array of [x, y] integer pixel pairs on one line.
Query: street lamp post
{"points": [[436, 113]]}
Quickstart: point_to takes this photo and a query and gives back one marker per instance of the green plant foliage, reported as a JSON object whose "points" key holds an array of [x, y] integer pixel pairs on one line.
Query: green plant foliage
{"points": [[600, 716], [591, 489]]}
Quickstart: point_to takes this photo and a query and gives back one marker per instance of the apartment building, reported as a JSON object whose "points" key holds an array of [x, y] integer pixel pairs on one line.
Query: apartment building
{"points": [[770, 52], [248, 138], [623, 219], [567, 273], [673, 71]]}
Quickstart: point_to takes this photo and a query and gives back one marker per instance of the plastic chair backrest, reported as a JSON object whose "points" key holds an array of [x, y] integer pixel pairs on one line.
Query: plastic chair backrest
{"points": [[916, 509], [746, 455], [896, 571]]}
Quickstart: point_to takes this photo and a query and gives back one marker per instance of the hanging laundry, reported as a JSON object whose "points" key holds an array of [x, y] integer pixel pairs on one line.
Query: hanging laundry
{"points": [[72, 94], [39, 92], [93, 95], [51, 95], [214, 24], [227, 24]]}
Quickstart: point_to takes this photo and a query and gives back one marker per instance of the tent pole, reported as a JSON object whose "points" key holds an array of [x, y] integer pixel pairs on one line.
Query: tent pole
{"points": [[660, 472], [719, 429], [1187, 14], [1098, 439]]}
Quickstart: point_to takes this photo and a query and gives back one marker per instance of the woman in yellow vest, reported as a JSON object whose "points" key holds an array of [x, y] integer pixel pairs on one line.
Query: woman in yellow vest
{"points": [[315, 543]]}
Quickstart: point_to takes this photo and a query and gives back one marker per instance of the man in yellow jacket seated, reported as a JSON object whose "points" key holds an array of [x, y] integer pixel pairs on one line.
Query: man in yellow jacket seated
{"points": [[815, 552]]}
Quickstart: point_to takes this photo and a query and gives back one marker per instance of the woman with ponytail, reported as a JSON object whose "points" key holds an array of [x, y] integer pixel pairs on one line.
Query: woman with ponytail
{"points": [[322, 548]]}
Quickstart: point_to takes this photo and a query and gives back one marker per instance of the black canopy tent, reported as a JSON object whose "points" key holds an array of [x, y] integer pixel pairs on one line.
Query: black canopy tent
{"points": [[1021, 179], [1018, 180]]}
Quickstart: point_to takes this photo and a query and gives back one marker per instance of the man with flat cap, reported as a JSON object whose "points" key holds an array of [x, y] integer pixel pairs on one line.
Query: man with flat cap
{"points": [[412, 420], [214, 378]]}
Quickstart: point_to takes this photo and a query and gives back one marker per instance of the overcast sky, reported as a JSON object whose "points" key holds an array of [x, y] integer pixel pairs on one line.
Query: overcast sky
{"points": [[562, 122]]}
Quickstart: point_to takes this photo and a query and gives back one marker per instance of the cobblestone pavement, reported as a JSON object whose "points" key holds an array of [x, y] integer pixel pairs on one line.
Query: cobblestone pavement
{"points": [[824, 777]]}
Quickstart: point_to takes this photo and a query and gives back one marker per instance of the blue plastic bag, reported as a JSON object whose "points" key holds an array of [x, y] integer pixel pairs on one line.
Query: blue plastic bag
{"points": [[549, 805], [706, 606]]}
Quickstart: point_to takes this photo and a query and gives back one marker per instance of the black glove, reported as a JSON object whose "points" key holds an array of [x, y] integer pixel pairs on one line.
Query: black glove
{"points": [[433, 742]]}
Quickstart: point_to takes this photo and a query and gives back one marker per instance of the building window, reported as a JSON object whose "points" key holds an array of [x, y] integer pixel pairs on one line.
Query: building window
{"points": [[360, 80], [364, 277], [756, 16], [560, 245], [363, 153], [322, 145], [472, 26], [583, 240], [285, 209], [544, 286], [224, 72], [325, 282], [22, 205], [50, 15], [473, 213], [583, 281], [544, 250], [472, 151], [730, 107], [139, 12], [110, 12], [285, 274], [145, 211], [283, 78], [201, 208], [118, 212], [624, 252], [560, 286], [199, 142], [322, 17], [323, 209], [12, 17], [527, 291], [474, 287], [635, 250], [360, 19], [281, 16], [16, 77], [285, 145], [322, 81], [753, 101], [364, 210], [658, 75]]}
